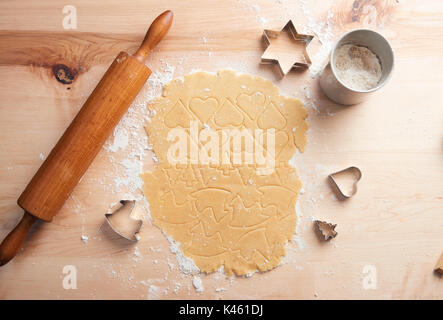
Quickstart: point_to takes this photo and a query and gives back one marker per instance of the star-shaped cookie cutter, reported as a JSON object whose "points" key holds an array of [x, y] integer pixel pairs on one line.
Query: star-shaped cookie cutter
{"points": [[284, 59]]}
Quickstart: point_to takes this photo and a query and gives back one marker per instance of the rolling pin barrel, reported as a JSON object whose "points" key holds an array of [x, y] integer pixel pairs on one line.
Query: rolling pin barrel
{"points": [[74, 152], [84, 138]]}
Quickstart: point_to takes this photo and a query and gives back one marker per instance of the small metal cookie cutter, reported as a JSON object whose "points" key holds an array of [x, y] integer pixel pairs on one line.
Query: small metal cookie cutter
{"points": [[326, 229], [286, 60], [352, 173], [121, 221]]}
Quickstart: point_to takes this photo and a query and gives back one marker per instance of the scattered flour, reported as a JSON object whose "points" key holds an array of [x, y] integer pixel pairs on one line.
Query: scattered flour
{"points": [[130, 141], [300, 242], [84, 238], [185, 264], [153, 292], [137, 255], [133, 167], [307, 92], [197, 283], [255, 7], [129, 138], [120, 140], [323, 30], [263, 21]]}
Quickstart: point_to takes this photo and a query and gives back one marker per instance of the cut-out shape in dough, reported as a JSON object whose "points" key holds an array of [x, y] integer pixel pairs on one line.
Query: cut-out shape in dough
{"points": [[281, 140], [227, 214], [251, 242], [203, 108], [214, 199], [271, 118], [178, 116], [228, 115], [252, 104], [246, 217]]}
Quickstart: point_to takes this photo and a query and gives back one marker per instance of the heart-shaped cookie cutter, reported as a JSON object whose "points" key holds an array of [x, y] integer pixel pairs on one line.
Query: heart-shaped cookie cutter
{"points": [[355, 172], [119, 218]]}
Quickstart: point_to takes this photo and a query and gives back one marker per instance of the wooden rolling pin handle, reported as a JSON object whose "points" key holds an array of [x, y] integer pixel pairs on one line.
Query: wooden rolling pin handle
{"points": [[158, 29], [69, 159], [14, 240]]}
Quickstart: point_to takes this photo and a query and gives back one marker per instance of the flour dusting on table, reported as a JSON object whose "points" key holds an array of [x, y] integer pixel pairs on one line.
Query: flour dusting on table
{"points": [[130, 139], [129, 148]]}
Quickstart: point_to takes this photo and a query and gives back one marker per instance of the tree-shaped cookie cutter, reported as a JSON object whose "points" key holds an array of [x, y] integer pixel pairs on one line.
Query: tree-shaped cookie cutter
{"points": [[284, 59], [326, 229], [119, 218]]}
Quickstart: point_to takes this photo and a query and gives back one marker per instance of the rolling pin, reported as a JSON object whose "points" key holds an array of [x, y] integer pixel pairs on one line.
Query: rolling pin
{"points": [[74, 152]]}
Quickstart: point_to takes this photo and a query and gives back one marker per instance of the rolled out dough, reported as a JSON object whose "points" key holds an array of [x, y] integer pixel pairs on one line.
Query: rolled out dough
{"points": [[229, 215]]}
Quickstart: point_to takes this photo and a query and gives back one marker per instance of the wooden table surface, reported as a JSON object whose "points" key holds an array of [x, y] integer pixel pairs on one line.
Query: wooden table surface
{"points": [[390, 232]]}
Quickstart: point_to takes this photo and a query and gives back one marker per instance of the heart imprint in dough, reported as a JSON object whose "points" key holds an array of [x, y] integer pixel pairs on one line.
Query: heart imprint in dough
{"points": [[178, 116], [252, 104], [271, 118], [228, 114], [235, 213], [281, 140], [345, 181], [203, 109]]}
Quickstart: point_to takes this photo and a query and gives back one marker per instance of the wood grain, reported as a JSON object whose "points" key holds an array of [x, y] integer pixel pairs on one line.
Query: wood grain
{"points": [[394, 221], [74, 152], [80, 143]]}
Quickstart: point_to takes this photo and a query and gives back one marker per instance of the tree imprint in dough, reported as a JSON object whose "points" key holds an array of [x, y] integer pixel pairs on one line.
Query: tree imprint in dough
{"points": [[226, 214]]}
